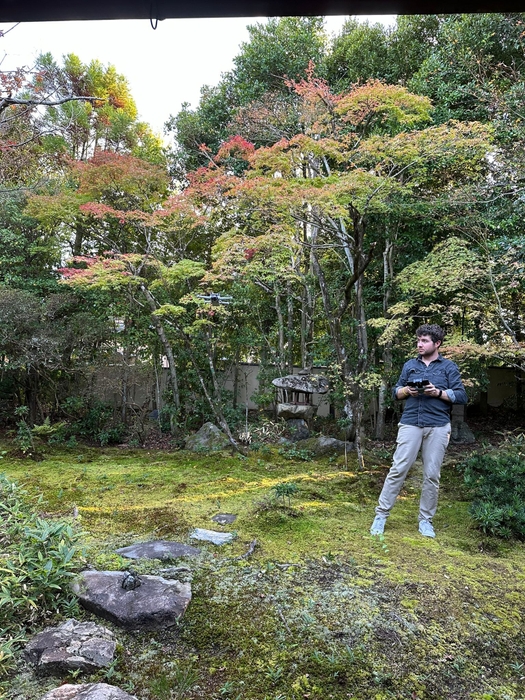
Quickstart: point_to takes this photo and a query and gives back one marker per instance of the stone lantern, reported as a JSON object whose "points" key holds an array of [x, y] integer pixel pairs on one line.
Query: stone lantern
{"points": [[294, 400]]}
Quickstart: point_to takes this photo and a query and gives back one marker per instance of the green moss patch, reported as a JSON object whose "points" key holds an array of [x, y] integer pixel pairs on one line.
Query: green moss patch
{"points": [[320, 609]]}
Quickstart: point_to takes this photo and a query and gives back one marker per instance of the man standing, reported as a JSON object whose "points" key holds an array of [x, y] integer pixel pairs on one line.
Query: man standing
{"points": [[430, 384]]}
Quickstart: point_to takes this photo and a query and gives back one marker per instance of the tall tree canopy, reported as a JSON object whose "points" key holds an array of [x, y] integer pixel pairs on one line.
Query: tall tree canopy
{"points": [[279, 49], [341, 192]]}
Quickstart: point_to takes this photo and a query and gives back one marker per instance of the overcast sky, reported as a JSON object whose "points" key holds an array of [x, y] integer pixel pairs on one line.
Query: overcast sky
{"points": [[165, 67]]}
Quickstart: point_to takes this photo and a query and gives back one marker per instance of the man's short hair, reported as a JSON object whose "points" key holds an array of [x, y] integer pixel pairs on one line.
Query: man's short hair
{"points": [[432, 330]]}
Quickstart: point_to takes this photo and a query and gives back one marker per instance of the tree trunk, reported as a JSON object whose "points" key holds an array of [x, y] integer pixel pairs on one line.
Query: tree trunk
{"points": [[290, 330], [125, 384], [341, 356], [166, 345], [388, 275], [361, 260], [280, 322], [307, 314], [236, 379], [213, 404], [31, 391]]}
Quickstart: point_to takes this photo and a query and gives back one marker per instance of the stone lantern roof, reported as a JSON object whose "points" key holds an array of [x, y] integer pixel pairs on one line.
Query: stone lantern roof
{"points": [[305, 383]]}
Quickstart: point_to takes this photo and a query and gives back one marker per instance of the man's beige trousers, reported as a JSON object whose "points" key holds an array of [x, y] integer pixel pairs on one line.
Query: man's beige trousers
{"points": [[410, 439]]}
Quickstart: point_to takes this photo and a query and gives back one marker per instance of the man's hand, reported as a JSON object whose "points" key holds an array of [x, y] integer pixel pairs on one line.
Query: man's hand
{"points": [[405, 391], [431, 390]]}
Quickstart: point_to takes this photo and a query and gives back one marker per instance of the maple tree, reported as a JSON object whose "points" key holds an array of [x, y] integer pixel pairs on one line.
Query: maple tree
{"points": [[311, 210]]}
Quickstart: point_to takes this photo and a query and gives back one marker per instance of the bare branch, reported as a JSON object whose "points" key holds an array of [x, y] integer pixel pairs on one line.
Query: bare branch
{"points": [[6, 102]]}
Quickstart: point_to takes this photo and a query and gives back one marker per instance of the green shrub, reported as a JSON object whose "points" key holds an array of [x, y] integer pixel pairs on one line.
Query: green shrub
{"points": [[496, 481], [91, 420], [46, 430], [36, 563], [296, 453], [24, 437], [285, 490]]}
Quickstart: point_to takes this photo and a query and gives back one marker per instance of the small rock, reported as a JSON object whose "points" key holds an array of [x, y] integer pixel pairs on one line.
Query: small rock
{"points": [[323, 446], [224, 518], [88, 691], [71, 646], [131, 581], [285, 442], [212, 536], [158, 549]]}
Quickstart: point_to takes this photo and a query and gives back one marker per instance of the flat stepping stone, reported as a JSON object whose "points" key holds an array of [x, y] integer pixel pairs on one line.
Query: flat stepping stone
{"points": [[153, 602], [158, 549], [88, 691], [224, 518], [212, 536], [72, 646]]}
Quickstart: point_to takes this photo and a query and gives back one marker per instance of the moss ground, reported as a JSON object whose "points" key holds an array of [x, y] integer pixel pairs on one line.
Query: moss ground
{"points": [[321, 609]]}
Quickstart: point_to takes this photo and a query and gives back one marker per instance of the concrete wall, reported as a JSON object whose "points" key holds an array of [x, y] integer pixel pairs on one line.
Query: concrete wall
{"points": [[143, 387]]}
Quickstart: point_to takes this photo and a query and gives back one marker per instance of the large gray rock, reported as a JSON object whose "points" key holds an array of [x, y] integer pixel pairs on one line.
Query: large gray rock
{"points": [[155, 603], [88, 691], [72, 646], [208, 439], [298, 429], [158, 549], [324, 446]]}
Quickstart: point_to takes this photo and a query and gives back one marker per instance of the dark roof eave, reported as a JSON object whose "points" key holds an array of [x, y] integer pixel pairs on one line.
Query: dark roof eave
{"points": [[33, 11]]}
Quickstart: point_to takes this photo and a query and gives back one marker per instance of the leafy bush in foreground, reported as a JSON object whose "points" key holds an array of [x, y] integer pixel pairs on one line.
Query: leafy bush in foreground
{"points": [[36, 563], [497, 483]]}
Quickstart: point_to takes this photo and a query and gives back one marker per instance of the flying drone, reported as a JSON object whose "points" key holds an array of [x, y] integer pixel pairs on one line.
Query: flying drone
{"points": [[215, 299]]}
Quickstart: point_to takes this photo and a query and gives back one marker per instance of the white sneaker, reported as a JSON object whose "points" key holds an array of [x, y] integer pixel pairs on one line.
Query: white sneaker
{"points": [[378, 526], [426, 528]]}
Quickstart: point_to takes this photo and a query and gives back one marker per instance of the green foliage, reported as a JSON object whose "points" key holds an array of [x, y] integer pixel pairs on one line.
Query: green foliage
{"points": [[37, 560], [89, 419], [46, 430], [296, 453], [364, 51], [285, 489], [453, 261], [280, 47], [474, 60], [27, 257], [78, 128], [496, 480], [358, 54], [24, 436], [175, 682]]}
